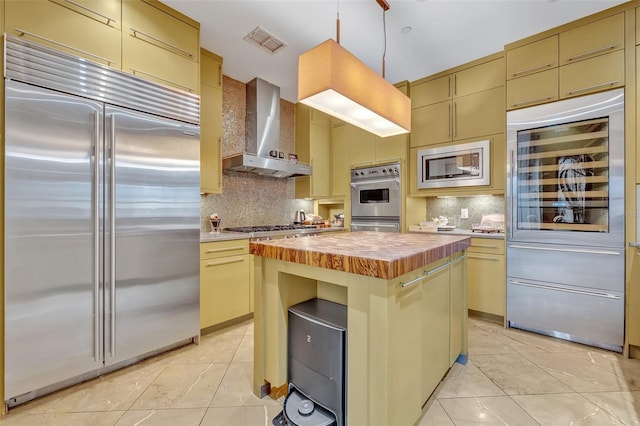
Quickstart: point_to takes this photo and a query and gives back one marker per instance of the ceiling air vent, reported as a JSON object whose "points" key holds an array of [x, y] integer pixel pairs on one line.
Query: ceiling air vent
{"points": [[265, 40]]}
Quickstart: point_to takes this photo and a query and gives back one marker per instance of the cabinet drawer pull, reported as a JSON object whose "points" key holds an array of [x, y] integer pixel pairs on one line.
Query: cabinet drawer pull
{"points": [[66, 46], [531, 101], [224, 262], [536, 68], [137, 71], [163, 43], [85, 8], [221, 250], [568, 250], [485, 246], [412, 282], [593, 52], [471, 256], [590, 88], [566, 290]]}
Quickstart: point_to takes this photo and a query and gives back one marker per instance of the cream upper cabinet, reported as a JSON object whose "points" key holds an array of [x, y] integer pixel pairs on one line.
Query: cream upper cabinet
{"points": [[313, 135], [340, 171], [596, 38], [532, 58], [89, 29], [431, 92], [603, 72], [532, 89], [475, 107], [160, 44], [210, 123]]}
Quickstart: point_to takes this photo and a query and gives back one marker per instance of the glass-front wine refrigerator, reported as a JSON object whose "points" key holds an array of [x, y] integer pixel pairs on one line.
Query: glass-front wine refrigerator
{"points": [[565, 219]]}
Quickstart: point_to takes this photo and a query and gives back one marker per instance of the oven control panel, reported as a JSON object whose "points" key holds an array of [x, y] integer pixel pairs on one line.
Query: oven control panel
{"points": [[376, 172]]}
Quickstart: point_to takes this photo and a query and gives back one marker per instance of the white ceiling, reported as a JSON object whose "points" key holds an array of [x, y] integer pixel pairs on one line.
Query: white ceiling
{"points": [[445, 33]]}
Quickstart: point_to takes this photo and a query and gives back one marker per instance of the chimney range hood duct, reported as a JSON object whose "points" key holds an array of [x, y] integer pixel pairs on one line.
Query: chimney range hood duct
{"points": [[262, 142]]}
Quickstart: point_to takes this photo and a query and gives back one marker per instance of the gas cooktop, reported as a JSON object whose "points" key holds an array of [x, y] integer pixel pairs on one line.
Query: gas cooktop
{"points": [[275, 231]]}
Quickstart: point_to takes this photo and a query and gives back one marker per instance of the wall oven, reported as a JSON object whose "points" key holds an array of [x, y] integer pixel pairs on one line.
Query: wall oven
{"points": [[376, 198], [464, 164]]}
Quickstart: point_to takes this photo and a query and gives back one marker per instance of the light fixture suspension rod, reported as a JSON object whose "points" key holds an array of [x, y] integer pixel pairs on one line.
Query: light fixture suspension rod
{"points": [[338, 24]]}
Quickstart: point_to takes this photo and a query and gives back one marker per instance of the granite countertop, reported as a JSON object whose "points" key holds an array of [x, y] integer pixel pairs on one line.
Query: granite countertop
{"points": [[383, 255], [466, 232]]}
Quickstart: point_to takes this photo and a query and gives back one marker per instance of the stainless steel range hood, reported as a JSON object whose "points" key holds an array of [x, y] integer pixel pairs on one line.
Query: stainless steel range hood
{"points": [[262, 141]]}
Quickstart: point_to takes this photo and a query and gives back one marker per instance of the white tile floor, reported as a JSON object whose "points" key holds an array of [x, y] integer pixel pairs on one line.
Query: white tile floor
{"points": [[512, 378]]}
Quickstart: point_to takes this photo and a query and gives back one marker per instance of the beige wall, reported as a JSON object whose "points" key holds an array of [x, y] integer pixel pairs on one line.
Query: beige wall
{"points": [[249, 199]]}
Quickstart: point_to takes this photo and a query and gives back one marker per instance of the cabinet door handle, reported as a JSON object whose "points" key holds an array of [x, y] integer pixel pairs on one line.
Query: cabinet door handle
{"points": [[531, 101], [458, 259], [85, 8], [66, 46], [455, 122], [438, 269], [532, 69], [224, 262], [449, 123], [173, 83], [220, 75], [161, 42], [592, 52], [590, 88], [412, 282], [472, 256], [455, 84], [221, 250]]}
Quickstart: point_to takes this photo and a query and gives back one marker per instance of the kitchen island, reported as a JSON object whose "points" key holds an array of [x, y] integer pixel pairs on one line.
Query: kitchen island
{"points": [[406, 313]]}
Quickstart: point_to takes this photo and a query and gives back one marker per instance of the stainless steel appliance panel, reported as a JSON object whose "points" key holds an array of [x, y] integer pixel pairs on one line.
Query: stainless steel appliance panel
{"points": [[52, 296], [590, 267], [568, 312], [157, 232], [556, 123]]}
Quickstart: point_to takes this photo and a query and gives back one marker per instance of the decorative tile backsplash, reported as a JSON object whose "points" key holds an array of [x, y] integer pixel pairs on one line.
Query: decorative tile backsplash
{"points": [[249, 199], [477, 206]]}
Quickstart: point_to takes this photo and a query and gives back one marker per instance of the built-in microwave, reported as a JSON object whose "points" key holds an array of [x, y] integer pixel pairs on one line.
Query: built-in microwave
{"points": [[465, 164]]}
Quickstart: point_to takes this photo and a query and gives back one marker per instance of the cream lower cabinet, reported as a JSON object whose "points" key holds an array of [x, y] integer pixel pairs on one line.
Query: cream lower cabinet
{"points": [[487, 276], [225, 281], [436, 309]]}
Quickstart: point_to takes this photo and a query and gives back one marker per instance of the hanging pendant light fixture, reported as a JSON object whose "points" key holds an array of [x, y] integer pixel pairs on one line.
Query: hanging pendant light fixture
{"points": [[334, 81]]}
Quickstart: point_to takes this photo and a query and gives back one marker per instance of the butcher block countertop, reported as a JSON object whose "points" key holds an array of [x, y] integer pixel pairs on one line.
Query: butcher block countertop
{"points": [[383, 255]]}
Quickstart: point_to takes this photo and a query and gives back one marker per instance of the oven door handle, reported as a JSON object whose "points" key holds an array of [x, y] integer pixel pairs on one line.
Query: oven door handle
{"points": [[370, 181], [375, 225]]}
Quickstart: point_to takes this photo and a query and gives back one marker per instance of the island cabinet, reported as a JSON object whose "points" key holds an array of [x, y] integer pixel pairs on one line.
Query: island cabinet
{"points": [[89, 29], [633, 302], [487, 277], [313, 145], [160, 44], [225, 281], [210, 123], [583, 57], [465, 103], [406, 314]]}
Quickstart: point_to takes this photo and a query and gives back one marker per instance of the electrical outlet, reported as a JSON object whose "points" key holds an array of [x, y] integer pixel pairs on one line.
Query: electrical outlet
{"points": [[464, 213]]}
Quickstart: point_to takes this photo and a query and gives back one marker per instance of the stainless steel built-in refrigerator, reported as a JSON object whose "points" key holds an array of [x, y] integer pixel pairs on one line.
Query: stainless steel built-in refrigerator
{"points": [[102, 219], [565, 219]]}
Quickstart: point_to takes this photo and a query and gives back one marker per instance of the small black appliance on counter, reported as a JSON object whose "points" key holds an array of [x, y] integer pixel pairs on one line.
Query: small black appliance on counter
{"points": [[316, 370]]}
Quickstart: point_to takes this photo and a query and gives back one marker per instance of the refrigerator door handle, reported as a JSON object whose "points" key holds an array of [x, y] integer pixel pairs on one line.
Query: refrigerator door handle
{"points": [[570, 250], [112, 234], [97, 337], [567, 290]]}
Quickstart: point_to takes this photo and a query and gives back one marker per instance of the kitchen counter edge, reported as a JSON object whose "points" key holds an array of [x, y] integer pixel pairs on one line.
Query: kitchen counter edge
{"points": [[466, 233]]}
